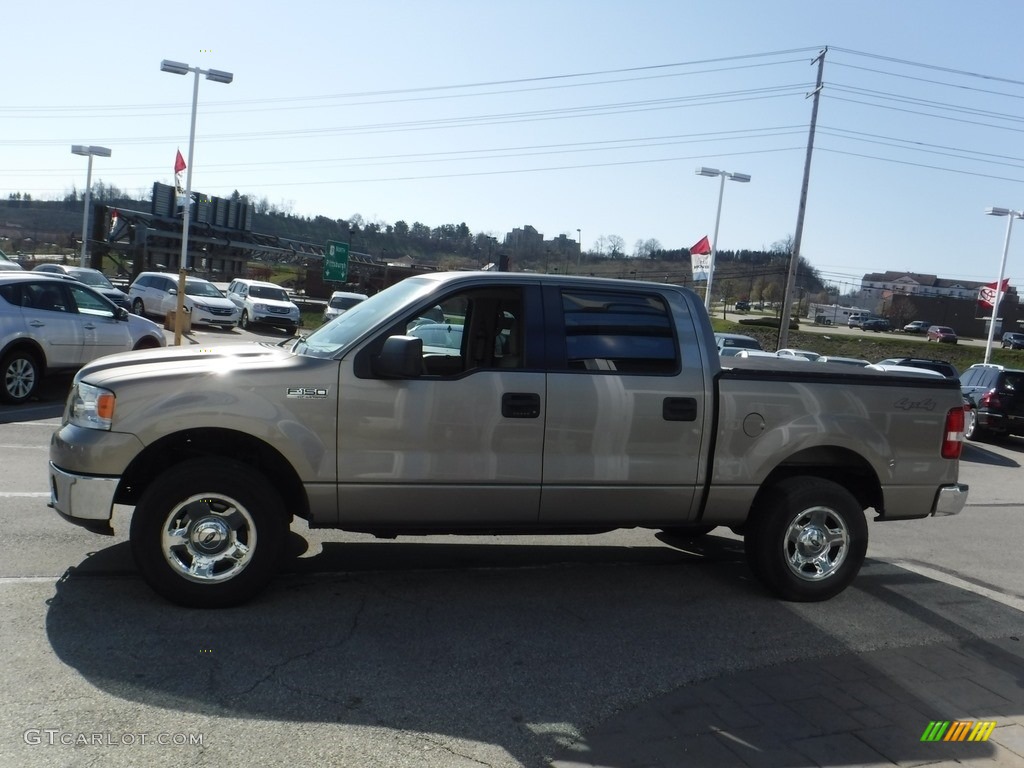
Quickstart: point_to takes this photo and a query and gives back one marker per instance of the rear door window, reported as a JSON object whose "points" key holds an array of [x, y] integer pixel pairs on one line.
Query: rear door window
{"points": [[621, 332]]}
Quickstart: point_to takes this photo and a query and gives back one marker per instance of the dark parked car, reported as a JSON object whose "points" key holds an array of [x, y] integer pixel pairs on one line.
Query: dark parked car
{"points": [[91, 277], [875, 324], [917, 326], [1013, 340], [942, 334], [939, 366], [996, 396], [742, 306]]}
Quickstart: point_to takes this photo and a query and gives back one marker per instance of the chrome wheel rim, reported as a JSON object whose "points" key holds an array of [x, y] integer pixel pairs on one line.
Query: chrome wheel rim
{"points": [[816, 544], [19, 378], [208, 538]]}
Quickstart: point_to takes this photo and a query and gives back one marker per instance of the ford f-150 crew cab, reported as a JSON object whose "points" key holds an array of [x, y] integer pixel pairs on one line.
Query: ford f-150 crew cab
{"points": [[566, 405]]}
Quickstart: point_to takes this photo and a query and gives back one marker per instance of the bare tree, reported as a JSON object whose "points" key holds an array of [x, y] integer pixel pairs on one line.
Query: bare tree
{"points": [[617, 246]]}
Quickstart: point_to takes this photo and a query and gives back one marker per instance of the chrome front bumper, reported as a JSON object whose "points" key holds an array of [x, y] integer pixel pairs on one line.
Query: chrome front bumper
{"points": [[82, 497], [950, 499]]}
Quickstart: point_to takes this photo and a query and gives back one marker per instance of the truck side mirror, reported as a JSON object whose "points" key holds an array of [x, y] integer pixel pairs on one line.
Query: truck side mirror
{"points": [[401, 357]]}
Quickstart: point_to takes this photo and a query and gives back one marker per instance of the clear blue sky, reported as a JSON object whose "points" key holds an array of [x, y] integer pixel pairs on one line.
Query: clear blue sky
{"points": [[562, 114]]}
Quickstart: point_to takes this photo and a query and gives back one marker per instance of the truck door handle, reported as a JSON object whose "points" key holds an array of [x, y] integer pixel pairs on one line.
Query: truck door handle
{"points": [[679, 409], [520, 405]]}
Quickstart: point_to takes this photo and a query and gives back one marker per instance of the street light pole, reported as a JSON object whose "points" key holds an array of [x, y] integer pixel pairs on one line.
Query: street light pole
{"points": [[90, 152], [742, 177], [579, 252], [218, 76], [1010, 216]]}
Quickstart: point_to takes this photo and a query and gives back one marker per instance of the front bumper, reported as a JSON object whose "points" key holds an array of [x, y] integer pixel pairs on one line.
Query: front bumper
{"points": [[950, 499], [82, 497], [271, 318], [202, 316]]}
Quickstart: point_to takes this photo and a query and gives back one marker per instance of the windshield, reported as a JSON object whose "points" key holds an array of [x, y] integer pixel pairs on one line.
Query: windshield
{"points": [[335, 337], [202, 288], [266, 292], [343, 302], [89, 277]]}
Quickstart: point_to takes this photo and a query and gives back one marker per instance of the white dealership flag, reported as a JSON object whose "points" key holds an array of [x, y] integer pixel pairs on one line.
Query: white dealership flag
{"points": [[179, 166], [987, 293], [700, 260]]}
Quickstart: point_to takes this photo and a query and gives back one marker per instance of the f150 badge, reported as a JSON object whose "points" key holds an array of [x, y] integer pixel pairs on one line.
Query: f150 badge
{"points": [[307, 393]]}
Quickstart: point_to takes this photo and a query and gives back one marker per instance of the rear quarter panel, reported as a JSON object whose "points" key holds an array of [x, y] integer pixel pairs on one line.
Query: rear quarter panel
{"points": [[770, 416]]}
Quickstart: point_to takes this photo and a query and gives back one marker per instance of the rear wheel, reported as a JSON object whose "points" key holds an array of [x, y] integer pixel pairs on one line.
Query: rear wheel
{"points": [[808, 539], [209, 534], [21, 374], [971, 429]]}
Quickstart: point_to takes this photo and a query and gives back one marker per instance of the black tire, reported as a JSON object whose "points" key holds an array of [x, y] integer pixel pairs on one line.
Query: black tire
{"points": [[147, 342], [21, 373], [243, 323], [139, 308], [808, 539], [230, 529]]}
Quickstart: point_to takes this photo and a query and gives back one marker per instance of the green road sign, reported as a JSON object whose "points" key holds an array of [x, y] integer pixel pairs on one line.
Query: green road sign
{"points": [[336, 262]]}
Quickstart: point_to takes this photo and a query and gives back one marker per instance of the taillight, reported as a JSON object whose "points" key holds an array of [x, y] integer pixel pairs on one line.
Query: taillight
{"points": [[990, 400], [954, 437]]}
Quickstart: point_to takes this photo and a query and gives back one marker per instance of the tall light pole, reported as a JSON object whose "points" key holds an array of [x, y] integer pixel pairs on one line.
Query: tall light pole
{"points": [[742, 177], [90, 152], [218, 76], [579, 253], [1010, 216]]}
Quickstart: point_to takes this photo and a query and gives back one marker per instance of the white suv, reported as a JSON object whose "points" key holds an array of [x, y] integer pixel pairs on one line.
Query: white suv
{"points": [[156, 293], [263, 304], [340, 302]]}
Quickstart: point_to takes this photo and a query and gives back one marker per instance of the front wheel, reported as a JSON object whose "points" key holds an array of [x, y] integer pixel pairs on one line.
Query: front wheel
{"points": [[139, 308], [209, 534], [244, 322], [21, 373], [808, 539]]}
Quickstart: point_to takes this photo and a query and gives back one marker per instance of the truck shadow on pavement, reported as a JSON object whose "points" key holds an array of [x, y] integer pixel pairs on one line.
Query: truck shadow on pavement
{"points": [[518, 654], [974, 453]]}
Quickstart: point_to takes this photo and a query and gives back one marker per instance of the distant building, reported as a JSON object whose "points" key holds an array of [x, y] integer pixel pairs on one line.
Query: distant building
{"points": [[916, 284], [528, 242]]}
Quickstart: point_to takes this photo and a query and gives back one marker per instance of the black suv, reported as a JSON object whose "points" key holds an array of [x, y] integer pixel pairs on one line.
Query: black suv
{"points": [[996, 395], [1013, 340], [939, 366]]}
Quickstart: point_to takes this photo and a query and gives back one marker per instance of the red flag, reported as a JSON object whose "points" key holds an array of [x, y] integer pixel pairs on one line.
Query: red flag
{"points": [[702, 247], [987, 293], [179, 163]]}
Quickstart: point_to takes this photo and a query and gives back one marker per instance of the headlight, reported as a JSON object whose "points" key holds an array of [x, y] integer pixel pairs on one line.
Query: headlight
{"points": [[91, 407], [261, 307]]}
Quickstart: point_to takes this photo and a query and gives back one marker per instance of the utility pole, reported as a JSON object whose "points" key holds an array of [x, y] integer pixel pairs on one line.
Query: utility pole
{"points": [[794, 257]]}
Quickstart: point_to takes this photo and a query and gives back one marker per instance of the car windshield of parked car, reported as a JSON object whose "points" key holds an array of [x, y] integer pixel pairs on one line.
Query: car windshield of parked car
{"points": [[267, 292], [91, 277], [202, 288], [343, 302], [341, 333]]}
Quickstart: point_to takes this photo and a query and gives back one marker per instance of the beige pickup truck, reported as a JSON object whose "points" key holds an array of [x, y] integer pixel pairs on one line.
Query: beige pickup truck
{"points": [[499, 403]]}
